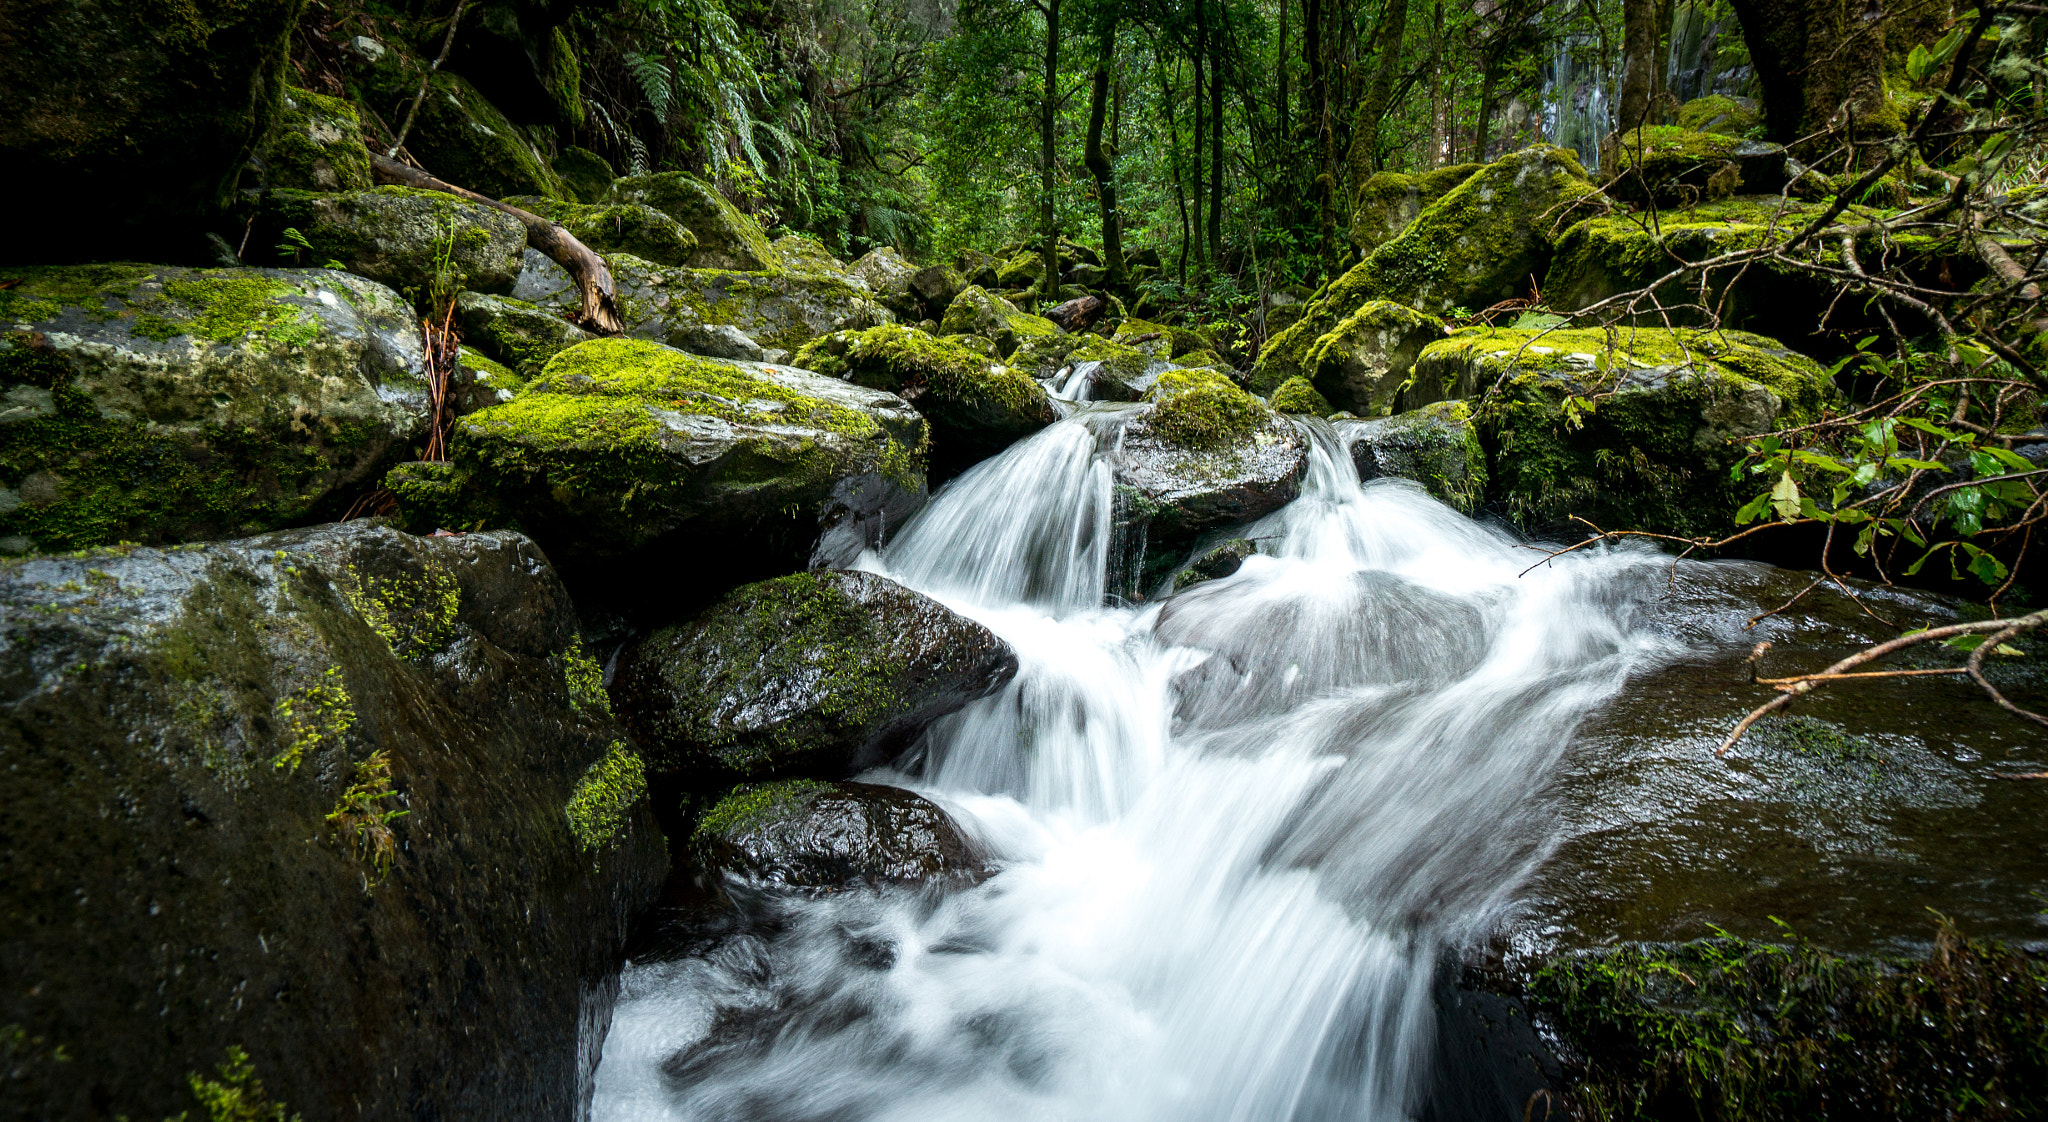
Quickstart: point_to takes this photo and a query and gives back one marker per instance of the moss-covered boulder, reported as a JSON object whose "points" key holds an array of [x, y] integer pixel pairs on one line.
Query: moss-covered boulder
{"points": [[623, 443], [1719, 113], [1297, 395], [1436, 446], [1485, 241], [393, 235], [976, 407], [634, 228], [803, 833], [518, 334], [342, 799], [778, 310], [816, 675], [977, 267], [585, 175], [1677, 166], [978, 312], [1390, 200], [1200, 455], [888, 275], [726, 238], [802, 253], [1092, 368], [1360, 364], [157, 404], [1655, 424], [315, 144], [936, 287], [127, 126], [462, 138], [1021, 270]]}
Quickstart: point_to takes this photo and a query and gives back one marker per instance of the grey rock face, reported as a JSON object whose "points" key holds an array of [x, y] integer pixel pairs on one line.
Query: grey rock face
{"points": [[805, 834]]}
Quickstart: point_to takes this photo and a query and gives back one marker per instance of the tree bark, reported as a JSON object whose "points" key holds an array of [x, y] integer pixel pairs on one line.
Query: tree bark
{"points": [[1280, 73], [594, 286], [1364, 157], [1198, 56], [1638, 63], [1216, 69], [1813, 58], [1048, 214], [1099, 165]]}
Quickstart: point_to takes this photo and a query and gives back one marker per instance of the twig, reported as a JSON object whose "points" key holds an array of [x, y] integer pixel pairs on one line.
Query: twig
{"points": [[447, 41]]}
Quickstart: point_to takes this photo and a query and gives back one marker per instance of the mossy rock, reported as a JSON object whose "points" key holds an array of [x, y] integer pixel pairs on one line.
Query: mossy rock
{"points": [[779, 310], [1201, 455], [815, 675], [127, 128], [977, 267], [1390, 200], [1215, 563], [1297, 395], [1023, 270], [622, 443], [306, 740], [974, 405], [159, 404], [1436, 446], [936, 287], [609, 228], [1719, 113], [977, 312], [585, 175], [462, 138], [394, 235], [514, 332], [1362, 363], [726, 238], [1655, 451], [1678, 166], [888, 274], [802, 253], [1483, 242], [801, 833], [1144, 335], [1110, 372], [315, 144]]}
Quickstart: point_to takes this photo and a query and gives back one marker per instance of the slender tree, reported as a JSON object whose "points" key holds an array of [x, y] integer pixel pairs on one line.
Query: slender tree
{"points": [[1365, 157], [1098, 161], [1048, 214]]}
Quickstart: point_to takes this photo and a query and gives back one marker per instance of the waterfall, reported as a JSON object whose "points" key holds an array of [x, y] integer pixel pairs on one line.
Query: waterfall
{"points": [[1236, 827]]}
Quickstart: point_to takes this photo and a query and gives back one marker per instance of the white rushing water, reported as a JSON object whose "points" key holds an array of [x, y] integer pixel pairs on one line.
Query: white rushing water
{"points": [[1236, 826]]}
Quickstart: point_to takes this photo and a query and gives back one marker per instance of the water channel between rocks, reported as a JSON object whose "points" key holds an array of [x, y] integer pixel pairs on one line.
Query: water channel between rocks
{"points": [[1237, 827]]}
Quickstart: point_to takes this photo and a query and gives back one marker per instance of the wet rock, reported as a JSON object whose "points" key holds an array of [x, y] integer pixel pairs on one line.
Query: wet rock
{"points": [[936, 287], [818, 674], [1679, 167], [801, 833], [1218, 561], [889, 275], [1203, 455], [1719, 113], [518, 334], [315, 144], [393, 235], [778, 310], [1436, 446], [721, 340], [1297, 395], [344, 798], [609, 228], [621, 443], [1091, 368], [1391, 200], [726, 238], [1653, 456], [976, 407], [158, 404], [976, 312], [1363, 361]]}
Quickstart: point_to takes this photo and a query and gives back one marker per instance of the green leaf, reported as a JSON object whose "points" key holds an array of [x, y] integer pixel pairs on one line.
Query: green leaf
{"points": [[1919, 64], [1902, 461], [1754, 509], [1785, 497]]}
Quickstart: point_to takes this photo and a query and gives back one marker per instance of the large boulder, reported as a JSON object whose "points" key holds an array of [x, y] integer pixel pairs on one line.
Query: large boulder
{"points": [[1483, 242], [1390, 200], [315, 144], [342, 800], [802, 253], [1436, 446], [1654, 449], [462, 138], [1360, 363], [587, 175], [889, 275], [778, 310], [802, 833], [514, 332], [976, 407], [621, 443], [158, 404], [976, 312], [127, 127], [819, 674], [1719, 113], [609, 228], [726, 238], [1202, 454], [1679, 167], [395, 236]]}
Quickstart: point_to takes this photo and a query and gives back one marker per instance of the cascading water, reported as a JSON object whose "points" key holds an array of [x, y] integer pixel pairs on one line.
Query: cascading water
{"points": [[1236, 827]]}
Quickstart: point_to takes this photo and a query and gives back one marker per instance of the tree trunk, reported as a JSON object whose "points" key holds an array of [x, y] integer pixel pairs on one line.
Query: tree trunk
{"points": [[1317, 118], [1048, 214], [1483, 127], [1364, 157], [1638, 63], [1099, 165], [1216, 69], [600, 302], [1280, 73], [1813, 58], [1196, 57]]}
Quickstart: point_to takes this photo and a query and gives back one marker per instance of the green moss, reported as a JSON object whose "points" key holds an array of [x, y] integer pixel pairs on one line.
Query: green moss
{"points": [[1298, 395], [584, 679], [752, 804], [414, 615], [321, 713], [587, 175], [602, 802], [1203, 410], [1811, 736], [40, 292], [961, 384], [237, 1095], [603, 370], [364, 814], [1717, 113], [490, 372], [1729, 1028], [230, 306], [315, 144]]}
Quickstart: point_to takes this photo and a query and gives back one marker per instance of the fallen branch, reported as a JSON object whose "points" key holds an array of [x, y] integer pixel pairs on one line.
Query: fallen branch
{"points": [[599, 295]]}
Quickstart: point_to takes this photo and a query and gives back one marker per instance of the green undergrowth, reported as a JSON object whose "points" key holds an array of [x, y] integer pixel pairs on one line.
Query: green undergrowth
{"points": [[233, 1094], [584, 679], [1736, 1029]]}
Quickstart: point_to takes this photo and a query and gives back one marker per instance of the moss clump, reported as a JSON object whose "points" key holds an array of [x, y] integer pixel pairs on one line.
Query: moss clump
{"points": [[1390, 200], [587, 175], [364, 815], [1201, 409], [600, 806], [955, 387], [1811, 736], [977, 312], [634, 228], [1730, 1028], [584, 679], [753, 804], [228, 306], [1298, 395], [414, 615], [321, 713], [726, 238], [316, 144], [1717, 113], [237, 1095]]}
